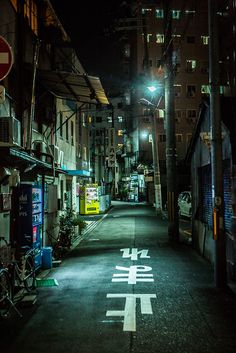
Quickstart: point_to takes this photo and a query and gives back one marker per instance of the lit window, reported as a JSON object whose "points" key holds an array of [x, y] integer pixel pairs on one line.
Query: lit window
{"points": [[205, 89], [30, 12], [191, 65], [160, 38], [90, 119], [161, 113], [120, 119], [205, 40], [109, 119], [149, 37], [159, 13], [145, 10], [120, 132], [176, 14]]}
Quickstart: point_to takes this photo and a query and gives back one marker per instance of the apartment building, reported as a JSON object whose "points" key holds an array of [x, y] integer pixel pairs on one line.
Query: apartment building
{"points": [[44, 137], [145, 50]]}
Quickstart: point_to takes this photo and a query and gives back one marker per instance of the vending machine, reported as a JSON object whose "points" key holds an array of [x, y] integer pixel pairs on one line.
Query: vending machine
{"points": [[89, 199], [30, 219]]}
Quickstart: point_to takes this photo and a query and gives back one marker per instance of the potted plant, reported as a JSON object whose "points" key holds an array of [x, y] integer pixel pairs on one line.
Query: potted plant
{"points": [[79, 222]]}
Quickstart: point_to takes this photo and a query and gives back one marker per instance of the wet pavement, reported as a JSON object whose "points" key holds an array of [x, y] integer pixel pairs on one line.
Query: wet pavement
{"points": [[126, 289]]}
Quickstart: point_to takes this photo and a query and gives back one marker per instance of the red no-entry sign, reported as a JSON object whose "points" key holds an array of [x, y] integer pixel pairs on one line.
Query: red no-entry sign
{"points": [[6, 58]]}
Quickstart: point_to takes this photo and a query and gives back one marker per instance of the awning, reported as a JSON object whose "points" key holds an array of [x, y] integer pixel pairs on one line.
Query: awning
{"points": [[79, 172], [16, 158], [79, 87]]}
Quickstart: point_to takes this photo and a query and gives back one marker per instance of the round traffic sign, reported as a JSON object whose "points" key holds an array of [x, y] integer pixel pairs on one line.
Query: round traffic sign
{"points": [[6, 58]]}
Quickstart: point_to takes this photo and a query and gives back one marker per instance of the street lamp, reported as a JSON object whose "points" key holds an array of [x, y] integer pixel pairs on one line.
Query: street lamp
{"points": [[155, 154]]}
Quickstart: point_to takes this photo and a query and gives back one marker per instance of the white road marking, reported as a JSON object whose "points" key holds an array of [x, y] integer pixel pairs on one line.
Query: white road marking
{"points": [[132, 276], [129, 313], [133, 254]]}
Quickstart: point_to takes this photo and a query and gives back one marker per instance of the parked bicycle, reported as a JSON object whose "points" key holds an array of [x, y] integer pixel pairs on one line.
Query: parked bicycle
{"points": [[5, 292], [18, 275]]}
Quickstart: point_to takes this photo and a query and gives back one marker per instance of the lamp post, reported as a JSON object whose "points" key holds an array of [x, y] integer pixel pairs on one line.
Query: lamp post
{"points": [[155, 154]]}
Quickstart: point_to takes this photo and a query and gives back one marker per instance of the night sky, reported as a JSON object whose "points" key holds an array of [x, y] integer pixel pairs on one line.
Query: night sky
{"points": [[90, 25]]}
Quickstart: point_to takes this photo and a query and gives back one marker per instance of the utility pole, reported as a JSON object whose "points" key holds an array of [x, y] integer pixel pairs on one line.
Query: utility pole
{"points": [[173, 219], [155, 153], [216, 150]]}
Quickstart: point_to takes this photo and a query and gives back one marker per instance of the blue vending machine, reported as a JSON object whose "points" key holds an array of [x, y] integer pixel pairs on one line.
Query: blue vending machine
{"points": [[30, 219]]}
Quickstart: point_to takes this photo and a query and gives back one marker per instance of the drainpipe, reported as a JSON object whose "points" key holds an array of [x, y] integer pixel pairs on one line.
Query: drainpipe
{"points": [[216, 150]]}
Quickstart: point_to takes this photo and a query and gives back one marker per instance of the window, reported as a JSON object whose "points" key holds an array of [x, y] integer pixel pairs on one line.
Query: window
{"points": [[176, 14], [190, 13], [149, 37], [98, 119], [204, 67], [160, 38], [176, 38], [191, 65], [205, 40], [84, 155], [120, 119], [30, 12], [146, 111], [188, 138], [205, 89], [72, 132], [178, 115], [162, 138], [191, 113], [161, 113], [145, 10], [120, 132], [191, 91], [83, 119], [109, 119], [179, 138], [159, 13], [177, 90], [190, 39]]}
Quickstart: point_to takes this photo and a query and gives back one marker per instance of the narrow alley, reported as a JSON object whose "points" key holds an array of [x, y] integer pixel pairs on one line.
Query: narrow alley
{"points": [[124, 288]]}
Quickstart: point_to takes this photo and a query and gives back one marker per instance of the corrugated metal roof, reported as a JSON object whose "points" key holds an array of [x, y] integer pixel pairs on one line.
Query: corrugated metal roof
{"points": [[79, 87]]}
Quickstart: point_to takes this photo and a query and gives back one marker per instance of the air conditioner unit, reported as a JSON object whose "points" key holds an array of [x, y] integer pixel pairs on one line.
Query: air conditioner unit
{"points": [[10, 132]]}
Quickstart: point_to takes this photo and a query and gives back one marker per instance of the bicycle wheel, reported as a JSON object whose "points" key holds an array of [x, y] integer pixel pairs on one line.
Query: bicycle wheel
{"points": [[29, 277], [5, 293]]}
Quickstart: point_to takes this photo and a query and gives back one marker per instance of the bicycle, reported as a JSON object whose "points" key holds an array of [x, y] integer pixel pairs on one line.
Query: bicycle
{"points": [[19, 273], [5, 292], [22, 269]]}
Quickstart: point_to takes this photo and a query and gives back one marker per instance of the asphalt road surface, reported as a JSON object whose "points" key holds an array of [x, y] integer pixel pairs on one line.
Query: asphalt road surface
{"points": [[125, 289]]}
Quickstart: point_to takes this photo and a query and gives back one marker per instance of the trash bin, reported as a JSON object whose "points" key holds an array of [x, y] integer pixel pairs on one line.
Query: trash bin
{"points": [[47, 257]]}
